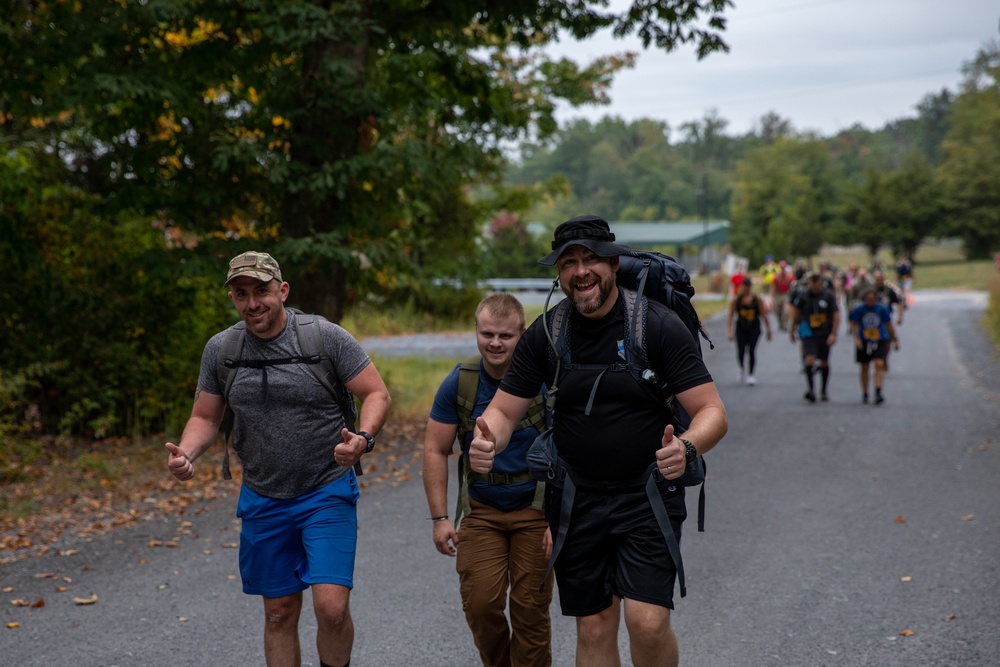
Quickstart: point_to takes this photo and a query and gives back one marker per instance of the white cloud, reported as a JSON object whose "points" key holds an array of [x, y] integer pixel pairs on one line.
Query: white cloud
{"points": [[823, 64]]}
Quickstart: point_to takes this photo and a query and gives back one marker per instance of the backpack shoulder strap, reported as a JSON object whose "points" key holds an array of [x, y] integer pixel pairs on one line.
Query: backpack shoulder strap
{"points": [[636, 313], [465, 400], [307, 330], [310, 337], [558, 331], [226, 369], [229, 356]]}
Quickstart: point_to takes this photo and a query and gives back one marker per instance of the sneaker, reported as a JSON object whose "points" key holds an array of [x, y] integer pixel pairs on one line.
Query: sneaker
{"points": [[864, 397], [810, 396], [823, 397], [879, 399], [751, 380]]}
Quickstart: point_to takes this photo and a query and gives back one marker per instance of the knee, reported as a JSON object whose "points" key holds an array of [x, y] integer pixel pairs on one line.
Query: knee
{"points": [[332, 614], [281, 612], [646, 629], [479, 604], [596, 630]]}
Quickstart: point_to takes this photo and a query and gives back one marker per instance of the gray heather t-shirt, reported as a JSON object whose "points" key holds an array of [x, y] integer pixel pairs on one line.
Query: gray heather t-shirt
{"points": [[285, 429]]}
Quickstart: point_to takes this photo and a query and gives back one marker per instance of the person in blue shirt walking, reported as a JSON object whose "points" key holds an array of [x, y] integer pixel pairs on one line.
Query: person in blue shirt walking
{"points": [[503, 541], [873, 331]]}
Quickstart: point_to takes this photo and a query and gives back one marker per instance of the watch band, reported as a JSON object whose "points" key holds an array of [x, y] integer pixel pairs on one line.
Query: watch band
{"points": [[371, 441], [690, 452]]}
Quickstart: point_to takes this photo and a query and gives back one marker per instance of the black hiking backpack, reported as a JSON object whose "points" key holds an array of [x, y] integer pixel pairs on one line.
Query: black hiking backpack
{"points": [[314, 356]]}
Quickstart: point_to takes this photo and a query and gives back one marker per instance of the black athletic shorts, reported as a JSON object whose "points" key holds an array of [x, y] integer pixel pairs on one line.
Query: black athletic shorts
{"points": [[868, 352], [815, 346], [615, 547]]}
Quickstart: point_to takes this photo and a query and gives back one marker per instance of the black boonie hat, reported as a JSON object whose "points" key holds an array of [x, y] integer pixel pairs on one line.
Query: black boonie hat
{"points": [[590, 231]]}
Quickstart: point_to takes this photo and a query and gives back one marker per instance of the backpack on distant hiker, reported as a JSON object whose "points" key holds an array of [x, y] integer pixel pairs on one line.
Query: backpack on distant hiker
{"points": [[468, 388], [307, 330], [644, 276]]}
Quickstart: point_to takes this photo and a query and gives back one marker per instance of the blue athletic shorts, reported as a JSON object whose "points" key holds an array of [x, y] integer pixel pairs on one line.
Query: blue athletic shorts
{"points": [[286, 545]]}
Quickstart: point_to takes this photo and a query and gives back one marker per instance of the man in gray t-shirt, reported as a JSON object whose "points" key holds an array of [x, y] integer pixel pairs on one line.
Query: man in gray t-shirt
{"points": [[298, 502]]}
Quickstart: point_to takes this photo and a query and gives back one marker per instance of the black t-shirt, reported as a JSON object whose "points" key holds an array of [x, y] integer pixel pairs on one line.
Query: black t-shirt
{"points": [[619, 439], [816, 310]]}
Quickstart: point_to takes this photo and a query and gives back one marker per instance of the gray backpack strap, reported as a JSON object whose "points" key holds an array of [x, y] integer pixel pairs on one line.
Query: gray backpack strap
{"points": [[226, 370], [636, 311], [307, 329]]}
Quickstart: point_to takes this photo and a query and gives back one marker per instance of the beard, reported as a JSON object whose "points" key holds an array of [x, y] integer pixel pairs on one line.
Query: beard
{"points": [[591, 303], [261, 327]]}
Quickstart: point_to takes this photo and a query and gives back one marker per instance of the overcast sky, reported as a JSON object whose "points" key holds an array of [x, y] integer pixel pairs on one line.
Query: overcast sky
{"points": [[825, 65]]}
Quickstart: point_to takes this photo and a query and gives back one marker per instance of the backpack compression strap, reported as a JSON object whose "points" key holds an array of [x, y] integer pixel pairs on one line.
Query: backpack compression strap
{"points": [[232, 348]]}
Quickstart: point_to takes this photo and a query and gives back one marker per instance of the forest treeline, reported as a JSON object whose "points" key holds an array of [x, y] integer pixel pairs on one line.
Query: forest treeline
{"points": [[366, 145], [787, 192]]}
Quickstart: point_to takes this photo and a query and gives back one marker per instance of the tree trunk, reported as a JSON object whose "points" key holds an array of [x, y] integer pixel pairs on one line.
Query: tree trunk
{"points": [[325, 140]]}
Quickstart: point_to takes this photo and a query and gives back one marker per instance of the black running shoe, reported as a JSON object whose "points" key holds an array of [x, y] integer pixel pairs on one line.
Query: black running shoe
{"points": [[810, 396], [824, 397], [879, 399]]}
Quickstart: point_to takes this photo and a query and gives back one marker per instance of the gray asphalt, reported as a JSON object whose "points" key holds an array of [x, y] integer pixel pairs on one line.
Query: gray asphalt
{"points": [[838, 534]]}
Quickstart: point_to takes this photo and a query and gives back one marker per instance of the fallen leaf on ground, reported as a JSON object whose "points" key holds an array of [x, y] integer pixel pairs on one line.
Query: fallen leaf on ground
{"points": [[968, 517], [906, 578], [11, 626], [907, 633], [82, 601], [900, 519]]}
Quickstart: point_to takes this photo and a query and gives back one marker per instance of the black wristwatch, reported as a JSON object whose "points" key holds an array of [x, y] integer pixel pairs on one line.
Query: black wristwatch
{"points": [[371, 441], [690, 453]]}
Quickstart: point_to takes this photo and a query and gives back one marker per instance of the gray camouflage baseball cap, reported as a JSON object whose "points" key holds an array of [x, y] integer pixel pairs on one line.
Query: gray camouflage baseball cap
{"points": [[257, 265]]}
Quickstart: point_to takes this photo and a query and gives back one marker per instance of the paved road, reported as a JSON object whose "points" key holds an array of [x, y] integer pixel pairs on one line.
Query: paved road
{"points": [[831, 530]]}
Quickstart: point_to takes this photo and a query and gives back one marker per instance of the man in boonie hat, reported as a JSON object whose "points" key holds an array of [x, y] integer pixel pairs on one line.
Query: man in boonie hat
{"points": [[579, 242], [588, 231], [609, 431], [298, 446]]}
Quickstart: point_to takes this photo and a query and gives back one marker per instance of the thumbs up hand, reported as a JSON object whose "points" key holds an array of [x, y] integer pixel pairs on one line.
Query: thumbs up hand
{"points": [[483, 448], [178, 463], [670, 457]]}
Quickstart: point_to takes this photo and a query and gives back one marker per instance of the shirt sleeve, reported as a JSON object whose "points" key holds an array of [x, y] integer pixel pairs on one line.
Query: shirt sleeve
{"points": [[444, 410]]}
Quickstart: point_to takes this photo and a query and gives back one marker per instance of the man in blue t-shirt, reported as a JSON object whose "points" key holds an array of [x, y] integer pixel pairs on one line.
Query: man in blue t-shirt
{"points": [[871, 325], [503, 538]]}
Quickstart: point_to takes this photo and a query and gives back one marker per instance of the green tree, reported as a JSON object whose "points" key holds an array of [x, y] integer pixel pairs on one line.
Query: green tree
{"points": [[336, 132], [783, 200], [970, 173], [914, 204], [866, 215], [95, 317]]}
